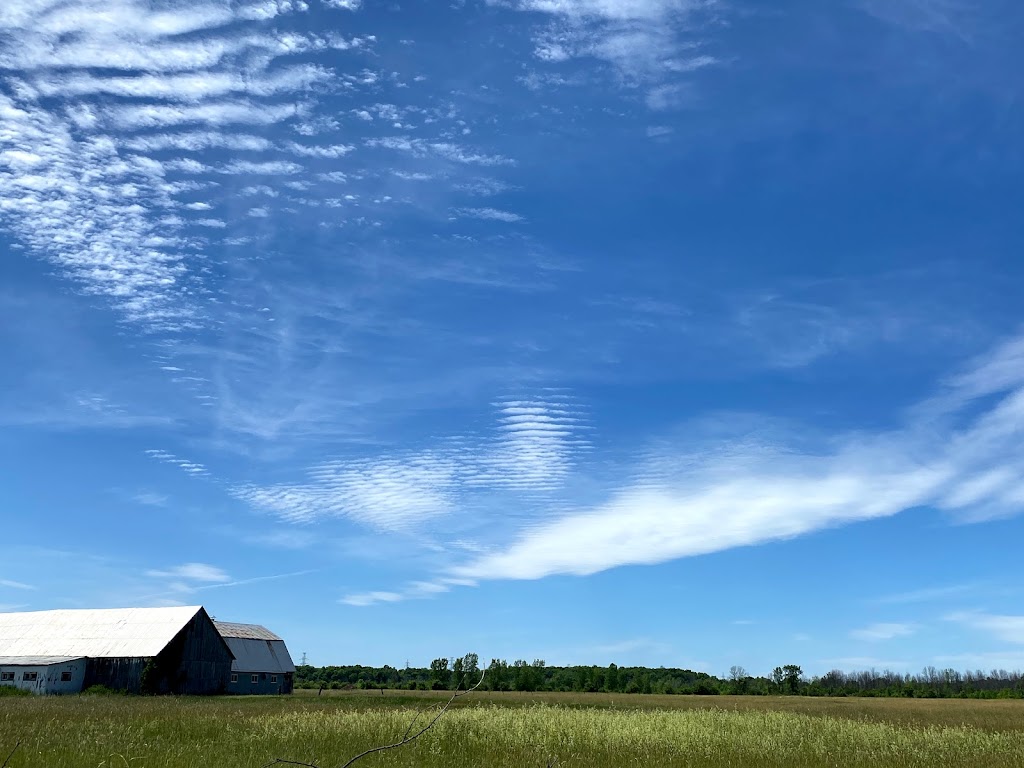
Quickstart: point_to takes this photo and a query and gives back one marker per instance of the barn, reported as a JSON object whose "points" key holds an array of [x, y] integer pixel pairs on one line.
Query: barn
{"points": [[262, 663], [140, 650]]}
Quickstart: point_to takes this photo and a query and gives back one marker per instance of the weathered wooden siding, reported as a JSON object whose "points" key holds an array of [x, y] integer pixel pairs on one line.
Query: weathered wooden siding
{"points": [[119, 674], [196, 661]]}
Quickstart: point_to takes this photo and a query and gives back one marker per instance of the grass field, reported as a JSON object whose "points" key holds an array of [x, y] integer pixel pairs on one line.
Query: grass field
{"points": [[519, 730]]}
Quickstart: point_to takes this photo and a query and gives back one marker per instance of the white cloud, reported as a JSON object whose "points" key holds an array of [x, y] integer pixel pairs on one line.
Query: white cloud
{"points": [[192, 572], [270, 168], [387, 494], [446, 150], [344, 5], [1007, 628], [532, 451], [643, 40], [883, 631], [187, 87], [490, 214], [925, 595], [288, 538], [949, 16], [10, 584], [369, 598], [150, 499], [189, 467], [216, 114], [741, 494], [330, 151], [96, 93], [415, 590]]}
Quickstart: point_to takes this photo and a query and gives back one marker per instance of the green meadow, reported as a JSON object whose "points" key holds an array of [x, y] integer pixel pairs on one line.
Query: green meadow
{"points": [[520, 730]]}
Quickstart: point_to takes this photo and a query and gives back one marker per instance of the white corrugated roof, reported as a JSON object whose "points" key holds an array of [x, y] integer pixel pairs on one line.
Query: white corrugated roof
{"points": [[115, 632], [250, 631], [35, 661]]}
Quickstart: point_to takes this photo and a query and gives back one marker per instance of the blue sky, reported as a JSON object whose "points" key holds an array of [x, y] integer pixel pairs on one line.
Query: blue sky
{"points": [[667, 332]]}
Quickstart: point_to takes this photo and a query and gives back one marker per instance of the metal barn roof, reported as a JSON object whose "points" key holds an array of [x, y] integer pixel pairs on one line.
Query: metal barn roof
{"points": [[35, 661], [256, 648], [259, 655], [248, 631], [105, 633]]}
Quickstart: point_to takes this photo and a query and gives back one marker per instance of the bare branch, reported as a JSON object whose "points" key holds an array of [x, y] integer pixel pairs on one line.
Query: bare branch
{"points": [[407, 738], [10, 755]]}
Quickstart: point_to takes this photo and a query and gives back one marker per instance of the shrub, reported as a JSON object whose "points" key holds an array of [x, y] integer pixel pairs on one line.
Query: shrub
{"points": [[101, 690], [10, 690]]}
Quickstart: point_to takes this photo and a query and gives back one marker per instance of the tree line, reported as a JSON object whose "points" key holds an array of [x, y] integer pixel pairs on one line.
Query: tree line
{"points": [[787, 680]]}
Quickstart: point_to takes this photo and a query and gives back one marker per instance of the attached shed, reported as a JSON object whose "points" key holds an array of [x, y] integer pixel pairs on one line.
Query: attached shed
{"points": [[43, 674], [141, 650], [262, 663]]}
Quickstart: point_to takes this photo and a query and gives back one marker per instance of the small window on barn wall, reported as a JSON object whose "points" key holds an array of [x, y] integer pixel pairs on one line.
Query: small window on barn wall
{"points": [[29, 676], [6, 676], [255, 678], [65, 677], [234, 677], [273, 678]]}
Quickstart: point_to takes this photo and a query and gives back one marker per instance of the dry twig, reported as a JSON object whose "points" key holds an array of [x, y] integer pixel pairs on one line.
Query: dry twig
{"points": [[10, 755], [406, 738]]}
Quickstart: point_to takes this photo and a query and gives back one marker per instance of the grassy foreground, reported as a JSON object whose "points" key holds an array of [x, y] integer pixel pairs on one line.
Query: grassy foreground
{"points": [[240, 732]]}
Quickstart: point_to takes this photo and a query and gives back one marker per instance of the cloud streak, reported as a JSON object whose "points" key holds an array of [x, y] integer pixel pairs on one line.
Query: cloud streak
{"points": [[746, 496], [883, 631]]}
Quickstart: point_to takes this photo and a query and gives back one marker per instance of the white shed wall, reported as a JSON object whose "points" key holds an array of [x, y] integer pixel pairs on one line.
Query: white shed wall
{"points": [[48, 676]]}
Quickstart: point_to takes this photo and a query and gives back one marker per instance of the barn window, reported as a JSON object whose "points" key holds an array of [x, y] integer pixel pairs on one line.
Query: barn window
{"points": [[29, 676], [65, 677], [255, 678], [6, 676], [234, 677], [273, 678]]}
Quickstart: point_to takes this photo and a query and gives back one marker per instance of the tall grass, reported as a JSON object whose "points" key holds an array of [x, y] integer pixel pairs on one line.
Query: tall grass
{"points": [[99, 732]]}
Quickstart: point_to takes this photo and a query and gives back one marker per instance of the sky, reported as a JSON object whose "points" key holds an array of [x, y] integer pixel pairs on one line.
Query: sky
{"points": [[660, 332]]}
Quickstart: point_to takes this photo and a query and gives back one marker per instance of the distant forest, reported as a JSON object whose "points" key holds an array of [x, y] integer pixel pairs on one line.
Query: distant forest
{"points": [[789, 679]]}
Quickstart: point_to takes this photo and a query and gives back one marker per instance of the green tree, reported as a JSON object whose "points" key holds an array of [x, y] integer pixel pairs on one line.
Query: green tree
{"points": [[612, 683], [440, 674], [787, 678], [471, 668], [738, 678], [497, 675], [458, 674]]}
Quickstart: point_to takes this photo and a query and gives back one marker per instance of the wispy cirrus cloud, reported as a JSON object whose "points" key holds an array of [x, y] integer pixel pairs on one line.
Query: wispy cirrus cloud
{"points": [[190, 467], [75, 187], [488, 214], [531, 452], [927, 594], [387, 494], [883, 631], [949, 16], [757, 493], [647, 43], [1008, 628], [199, 572], [11, 584]]}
